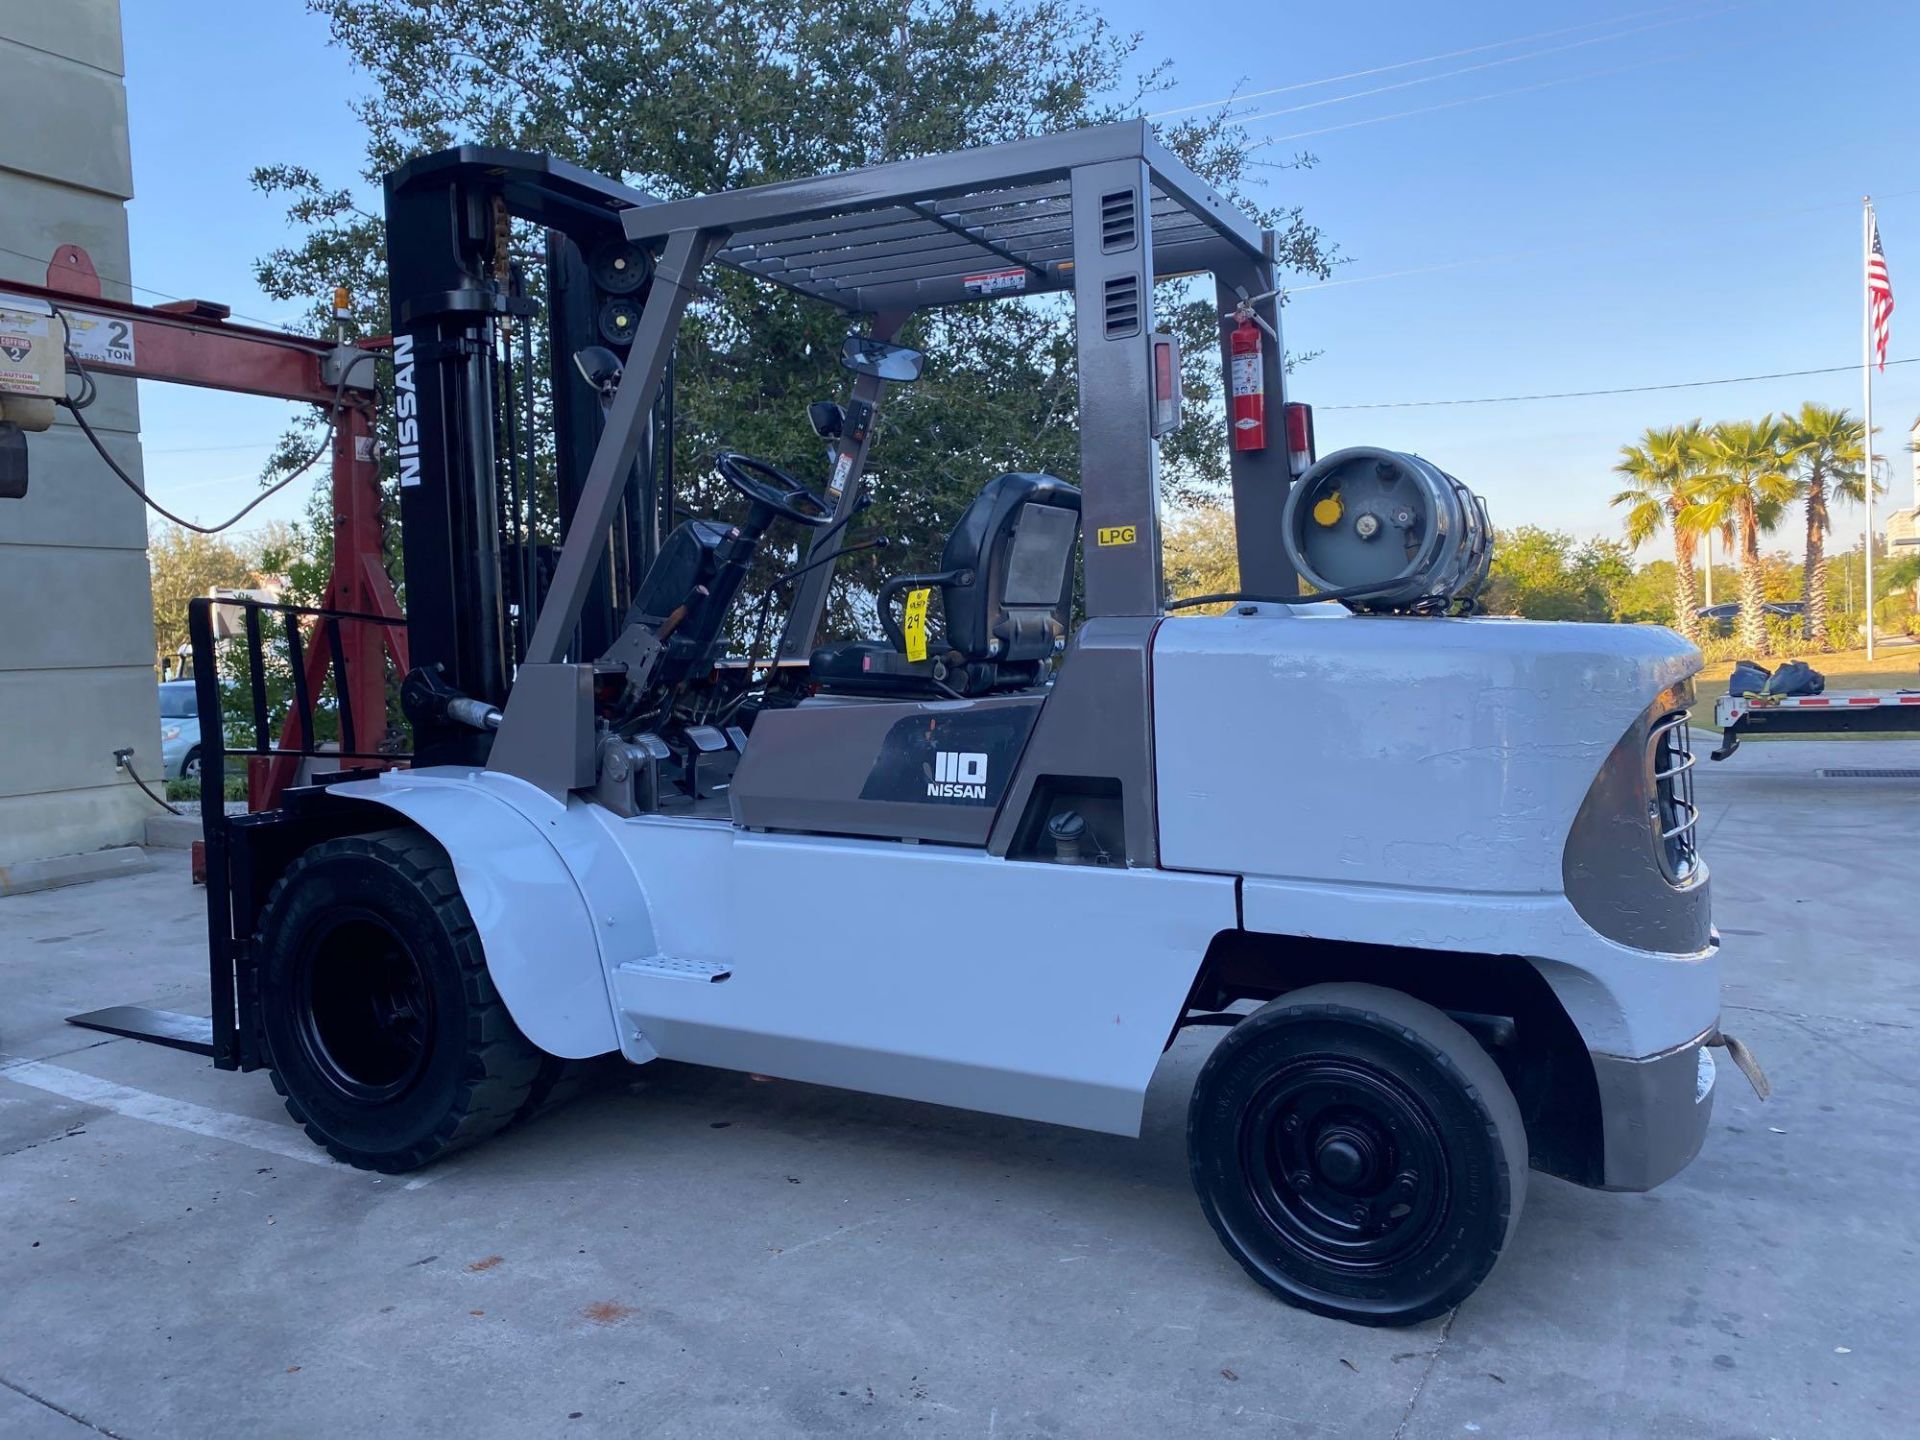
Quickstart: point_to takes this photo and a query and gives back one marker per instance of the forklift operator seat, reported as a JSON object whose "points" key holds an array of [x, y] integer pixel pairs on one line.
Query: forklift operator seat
{"points": [[1006, 593]]}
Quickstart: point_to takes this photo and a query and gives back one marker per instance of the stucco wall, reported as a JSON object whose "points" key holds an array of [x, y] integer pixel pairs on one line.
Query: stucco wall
{"points": [[76, 624]]}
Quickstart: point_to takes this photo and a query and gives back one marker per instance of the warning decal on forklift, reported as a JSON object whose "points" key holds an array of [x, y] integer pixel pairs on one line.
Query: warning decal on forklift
{"points": [[915, 624], [995, 282], [1117, 534]]}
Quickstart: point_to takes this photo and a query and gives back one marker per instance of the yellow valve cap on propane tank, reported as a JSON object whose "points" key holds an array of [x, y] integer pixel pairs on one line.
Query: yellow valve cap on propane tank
{"points": [[1328, 509]]}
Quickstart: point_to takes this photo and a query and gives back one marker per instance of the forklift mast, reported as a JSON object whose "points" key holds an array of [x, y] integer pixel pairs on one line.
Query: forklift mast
{"points": [[485, 503]]}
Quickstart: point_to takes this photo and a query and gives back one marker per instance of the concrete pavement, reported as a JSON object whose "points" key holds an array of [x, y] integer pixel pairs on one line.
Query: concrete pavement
{"points": [[687, 1252]]}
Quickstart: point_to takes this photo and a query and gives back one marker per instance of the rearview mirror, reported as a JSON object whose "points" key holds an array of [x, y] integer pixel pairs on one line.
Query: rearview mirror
{"points": [[881, 360]]}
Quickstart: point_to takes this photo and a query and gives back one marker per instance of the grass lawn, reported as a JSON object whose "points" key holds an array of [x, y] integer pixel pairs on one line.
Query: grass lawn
{"points": [[1894, 667]]}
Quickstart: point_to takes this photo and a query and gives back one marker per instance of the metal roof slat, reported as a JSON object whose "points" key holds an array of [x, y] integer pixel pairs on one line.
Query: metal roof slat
{"points": [[1060, 224], [942, 284], [814, 229], [959, 259], [937, 290], [1051, 190], [837, 260], [876, 237], [974, 236], [1051, 207]]}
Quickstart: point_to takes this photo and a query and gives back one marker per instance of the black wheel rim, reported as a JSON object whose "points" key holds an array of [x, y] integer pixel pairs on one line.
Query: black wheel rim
{"points": [[1346, 1164], [365, 1010]]}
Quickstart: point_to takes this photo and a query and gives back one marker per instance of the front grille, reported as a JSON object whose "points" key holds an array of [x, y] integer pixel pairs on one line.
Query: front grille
{"points": [[1671, 811]]}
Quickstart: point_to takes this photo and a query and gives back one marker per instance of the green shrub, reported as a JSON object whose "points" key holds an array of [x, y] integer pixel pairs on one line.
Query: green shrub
{"points": [[188, 791], [1718, 649]]}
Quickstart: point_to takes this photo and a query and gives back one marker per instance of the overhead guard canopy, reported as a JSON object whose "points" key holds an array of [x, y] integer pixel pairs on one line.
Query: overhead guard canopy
{"points": [[969, 225]]}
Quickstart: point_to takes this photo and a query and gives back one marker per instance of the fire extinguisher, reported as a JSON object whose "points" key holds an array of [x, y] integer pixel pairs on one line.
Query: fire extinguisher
{"points": [[1249, 386]]}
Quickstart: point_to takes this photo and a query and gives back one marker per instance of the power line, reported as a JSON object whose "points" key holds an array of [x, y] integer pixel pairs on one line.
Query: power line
{"points": [[81, 300], [1719, 225], [1525, 89], [210, 449], [1617, 390], [1244, 119], [1423, 60]]}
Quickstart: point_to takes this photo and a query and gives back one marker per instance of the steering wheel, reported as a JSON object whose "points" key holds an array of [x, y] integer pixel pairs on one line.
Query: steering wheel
{"points": [[772, 487]]}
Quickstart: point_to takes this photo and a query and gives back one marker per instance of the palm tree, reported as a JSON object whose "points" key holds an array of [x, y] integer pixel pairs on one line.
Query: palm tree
{"points": [[1826, 448], [1662, 472], [1747, 487]]}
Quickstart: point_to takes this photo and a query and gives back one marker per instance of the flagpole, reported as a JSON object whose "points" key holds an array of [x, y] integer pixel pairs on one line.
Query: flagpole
{"points": [[1866, 386]]}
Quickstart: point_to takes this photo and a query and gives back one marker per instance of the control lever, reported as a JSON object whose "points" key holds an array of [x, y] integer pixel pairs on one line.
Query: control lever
{"points": [[672, 622], [860, 502], [877, 542]]}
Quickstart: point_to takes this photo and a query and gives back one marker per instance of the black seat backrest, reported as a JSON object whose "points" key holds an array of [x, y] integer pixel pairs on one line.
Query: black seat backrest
{"points": [[1018, 539]]}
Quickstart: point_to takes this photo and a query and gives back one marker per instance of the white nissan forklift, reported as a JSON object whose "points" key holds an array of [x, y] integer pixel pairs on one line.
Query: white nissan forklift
{"points": [[997, 855]]}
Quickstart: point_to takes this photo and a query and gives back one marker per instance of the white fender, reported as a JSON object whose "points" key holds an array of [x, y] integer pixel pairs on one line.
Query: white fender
{"points": [[537, 928]]}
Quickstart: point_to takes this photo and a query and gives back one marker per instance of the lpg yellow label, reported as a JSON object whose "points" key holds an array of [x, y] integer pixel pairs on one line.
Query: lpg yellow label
{"points": [[1117, 534], [916, 623]]}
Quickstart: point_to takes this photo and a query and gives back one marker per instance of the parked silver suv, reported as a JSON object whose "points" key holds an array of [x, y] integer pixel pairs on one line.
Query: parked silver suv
{"points": [[179, 730]]}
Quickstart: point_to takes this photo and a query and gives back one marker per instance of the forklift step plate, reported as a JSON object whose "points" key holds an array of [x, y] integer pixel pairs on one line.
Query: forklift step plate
{"points": [[671, 968]]}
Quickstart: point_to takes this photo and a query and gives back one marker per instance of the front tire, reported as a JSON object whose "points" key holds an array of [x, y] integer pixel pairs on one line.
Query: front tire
{"points": [[1358, 1153], [383, 1029]]}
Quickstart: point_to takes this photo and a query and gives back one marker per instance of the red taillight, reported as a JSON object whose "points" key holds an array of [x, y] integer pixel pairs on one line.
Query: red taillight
{"points": [[1299, 437], [1166, 385]]}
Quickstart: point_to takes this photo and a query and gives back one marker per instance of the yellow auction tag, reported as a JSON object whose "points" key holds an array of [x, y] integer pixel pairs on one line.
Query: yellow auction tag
{"points": [[916, 623]]}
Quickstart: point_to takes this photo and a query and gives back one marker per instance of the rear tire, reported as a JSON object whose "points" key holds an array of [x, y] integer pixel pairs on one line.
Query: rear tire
{"points": [[383, 1029], [1358, 1153]]}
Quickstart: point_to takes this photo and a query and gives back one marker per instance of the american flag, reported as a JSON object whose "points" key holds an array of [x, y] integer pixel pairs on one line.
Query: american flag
{"points": [[1879, 297]]}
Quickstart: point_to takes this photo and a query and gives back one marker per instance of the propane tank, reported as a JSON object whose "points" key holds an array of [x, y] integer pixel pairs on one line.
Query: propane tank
{"points": [[1384, 530], [1249, 386]]}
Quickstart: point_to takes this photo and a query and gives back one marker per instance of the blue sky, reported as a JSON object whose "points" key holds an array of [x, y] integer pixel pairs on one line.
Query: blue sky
{"points": [[1641, 193]]}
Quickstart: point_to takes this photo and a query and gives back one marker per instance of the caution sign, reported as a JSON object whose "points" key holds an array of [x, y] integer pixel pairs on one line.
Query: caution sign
{"points": [[916, 623], [996, 282], [31, 359], [1117, 534], [842, 468]]}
